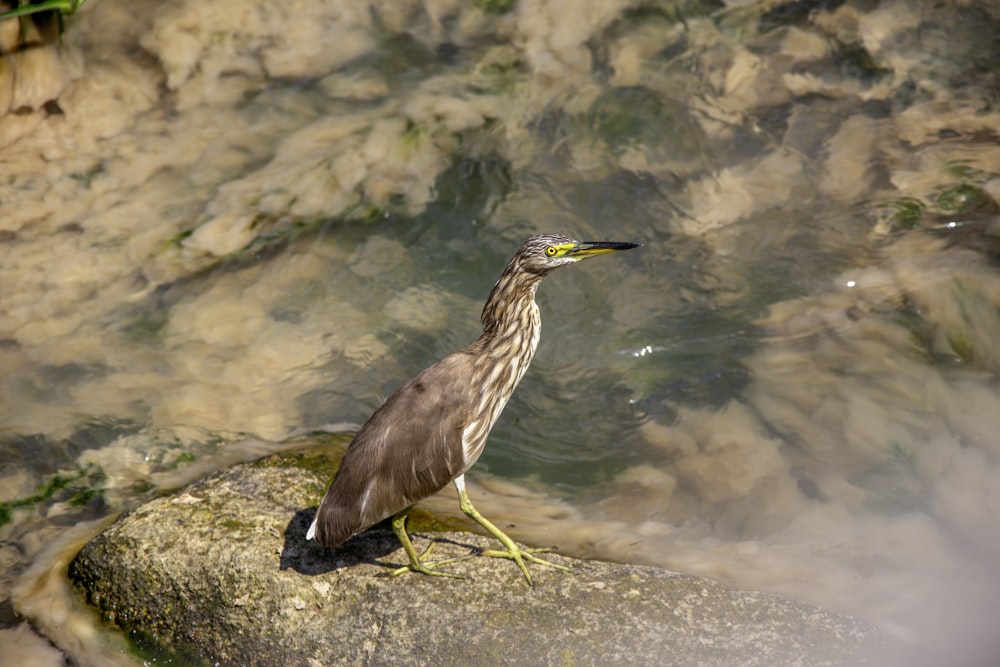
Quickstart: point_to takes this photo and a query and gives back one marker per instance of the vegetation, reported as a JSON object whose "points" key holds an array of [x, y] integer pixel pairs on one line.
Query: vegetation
{"points": [[77, 488], [26, 8]]}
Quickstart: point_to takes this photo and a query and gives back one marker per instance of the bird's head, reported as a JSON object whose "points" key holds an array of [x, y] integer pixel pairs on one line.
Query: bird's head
{"points": [[543, 253]]}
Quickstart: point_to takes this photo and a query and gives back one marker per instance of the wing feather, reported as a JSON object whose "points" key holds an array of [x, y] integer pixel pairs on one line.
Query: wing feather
{"points": [[409, 449]]}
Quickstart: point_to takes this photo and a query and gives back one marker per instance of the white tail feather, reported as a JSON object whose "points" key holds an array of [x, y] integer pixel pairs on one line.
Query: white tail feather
{"points": [[312, 530]]}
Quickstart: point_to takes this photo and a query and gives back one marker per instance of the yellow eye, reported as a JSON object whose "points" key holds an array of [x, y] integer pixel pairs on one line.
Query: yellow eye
{"points": [[551, 251]]}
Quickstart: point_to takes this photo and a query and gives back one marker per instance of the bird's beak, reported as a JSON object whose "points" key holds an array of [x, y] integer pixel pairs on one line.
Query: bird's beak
{"points": [[594, 248]]}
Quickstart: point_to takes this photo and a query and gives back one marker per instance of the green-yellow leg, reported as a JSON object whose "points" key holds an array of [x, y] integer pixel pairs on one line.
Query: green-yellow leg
{"points": [[514, 552], [418, 563]]}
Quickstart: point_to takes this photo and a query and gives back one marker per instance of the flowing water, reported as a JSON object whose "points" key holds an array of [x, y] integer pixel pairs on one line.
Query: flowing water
{"points": [[245, 220]]}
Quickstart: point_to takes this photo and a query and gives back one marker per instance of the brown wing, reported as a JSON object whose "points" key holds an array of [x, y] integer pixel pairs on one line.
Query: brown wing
{"points": [[409, 449]]}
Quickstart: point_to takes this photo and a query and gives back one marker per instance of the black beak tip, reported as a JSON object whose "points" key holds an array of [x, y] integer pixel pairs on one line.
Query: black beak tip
{"points": [[610, 245]]}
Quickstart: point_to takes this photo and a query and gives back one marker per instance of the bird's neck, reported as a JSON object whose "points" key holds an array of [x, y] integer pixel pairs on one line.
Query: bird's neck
{"points": [[510, 312], [511, 327], [501, 355]]}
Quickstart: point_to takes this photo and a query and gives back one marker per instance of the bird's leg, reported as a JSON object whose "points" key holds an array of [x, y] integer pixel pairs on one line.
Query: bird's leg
{"points": [[418, 563], [514, 552]]}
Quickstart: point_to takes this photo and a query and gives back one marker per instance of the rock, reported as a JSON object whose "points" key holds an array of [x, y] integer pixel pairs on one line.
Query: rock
{"points": [[220, 572]]}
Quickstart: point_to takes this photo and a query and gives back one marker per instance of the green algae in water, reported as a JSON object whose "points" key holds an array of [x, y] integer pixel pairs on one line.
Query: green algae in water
{"points": [[78, 488], [963, 199], [902, 454], [856, 62], [41, 11], [496, 6], [471, 187], [906, 212], [636, 116]]}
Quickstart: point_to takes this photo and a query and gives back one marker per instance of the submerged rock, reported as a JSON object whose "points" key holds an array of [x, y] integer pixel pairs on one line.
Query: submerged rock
{"points": [[220, 572]]}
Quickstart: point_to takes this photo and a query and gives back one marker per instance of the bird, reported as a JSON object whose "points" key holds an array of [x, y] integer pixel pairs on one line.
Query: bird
{"points": [[433, 429]]}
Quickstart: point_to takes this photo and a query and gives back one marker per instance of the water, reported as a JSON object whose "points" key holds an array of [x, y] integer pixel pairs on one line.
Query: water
{"points": [[253, 220]]}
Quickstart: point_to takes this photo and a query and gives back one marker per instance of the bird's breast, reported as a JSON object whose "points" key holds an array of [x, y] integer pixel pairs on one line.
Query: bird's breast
{"points": [[501, 365]]}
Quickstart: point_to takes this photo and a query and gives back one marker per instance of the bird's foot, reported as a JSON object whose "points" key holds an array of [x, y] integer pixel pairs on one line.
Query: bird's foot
{"points": [[422, 565], [520, 555], [513, 551]]}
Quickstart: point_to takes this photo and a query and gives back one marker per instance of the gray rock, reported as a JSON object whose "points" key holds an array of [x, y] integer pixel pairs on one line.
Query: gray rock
{"points": [[221, 572]]}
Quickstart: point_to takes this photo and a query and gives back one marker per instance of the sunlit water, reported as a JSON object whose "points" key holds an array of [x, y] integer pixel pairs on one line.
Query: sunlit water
{"points": [[255, 219]]}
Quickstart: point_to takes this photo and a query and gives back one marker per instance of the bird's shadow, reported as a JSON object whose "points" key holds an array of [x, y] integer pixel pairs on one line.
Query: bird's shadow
{"points": [[369, 547]]}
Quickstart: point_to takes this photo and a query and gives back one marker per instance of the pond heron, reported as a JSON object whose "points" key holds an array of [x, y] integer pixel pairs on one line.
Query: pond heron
{"points": [[435, 426]]}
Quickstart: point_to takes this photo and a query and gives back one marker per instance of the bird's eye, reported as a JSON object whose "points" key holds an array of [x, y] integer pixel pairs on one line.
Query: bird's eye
{"points": [[551, 251]]}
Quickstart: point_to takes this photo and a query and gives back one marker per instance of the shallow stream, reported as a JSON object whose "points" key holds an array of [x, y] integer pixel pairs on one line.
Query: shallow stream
{"points": [[243, 221]]}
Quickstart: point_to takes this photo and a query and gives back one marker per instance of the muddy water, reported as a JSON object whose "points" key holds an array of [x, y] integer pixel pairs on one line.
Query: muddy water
{"points": [[246, 220]]}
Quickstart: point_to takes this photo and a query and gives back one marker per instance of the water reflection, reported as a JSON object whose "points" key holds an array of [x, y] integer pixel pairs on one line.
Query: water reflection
{"points": [[253, 222]]}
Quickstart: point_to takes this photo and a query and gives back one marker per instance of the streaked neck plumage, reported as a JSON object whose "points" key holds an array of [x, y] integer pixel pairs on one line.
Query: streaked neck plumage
{"points": [[510, 310], [501, 355]]}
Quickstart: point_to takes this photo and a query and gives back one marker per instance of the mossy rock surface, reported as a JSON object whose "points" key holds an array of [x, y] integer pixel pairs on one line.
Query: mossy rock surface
{"points": [[220, 572]]}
